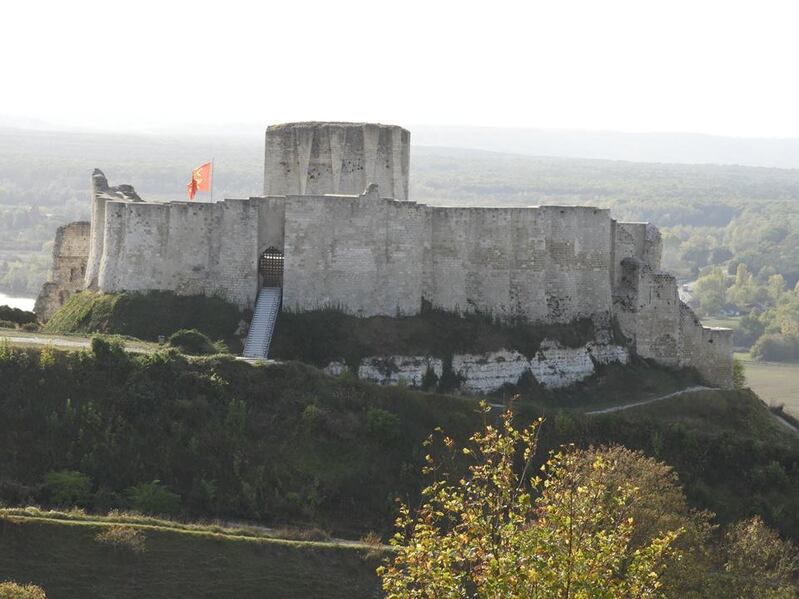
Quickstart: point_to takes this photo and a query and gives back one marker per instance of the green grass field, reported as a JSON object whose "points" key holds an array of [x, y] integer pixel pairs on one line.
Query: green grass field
{"points": [[727, 322], [775, 382], [60, 553]]}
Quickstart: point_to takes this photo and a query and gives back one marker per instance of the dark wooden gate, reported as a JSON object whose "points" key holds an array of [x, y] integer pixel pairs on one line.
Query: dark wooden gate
{"points": [[270, 266]]}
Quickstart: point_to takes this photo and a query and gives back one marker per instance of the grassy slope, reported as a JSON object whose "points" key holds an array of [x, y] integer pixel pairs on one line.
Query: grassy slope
{"points": [[776, 382], [63, 557], [145, 315], [732, 455]]}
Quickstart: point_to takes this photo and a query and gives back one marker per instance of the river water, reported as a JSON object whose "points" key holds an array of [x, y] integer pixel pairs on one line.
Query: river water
{"points": [[23, 303]]}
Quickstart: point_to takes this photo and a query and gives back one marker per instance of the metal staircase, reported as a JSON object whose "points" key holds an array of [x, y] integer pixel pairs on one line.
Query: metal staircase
{"points": [[263, 323]]}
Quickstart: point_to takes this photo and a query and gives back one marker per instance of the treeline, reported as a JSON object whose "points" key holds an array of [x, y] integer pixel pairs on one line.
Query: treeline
{"points": [[770, 308]]}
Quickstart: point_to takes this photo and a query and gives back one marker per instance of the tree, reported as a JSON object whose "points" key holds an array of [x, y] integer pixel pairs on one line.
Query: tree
{"points": [[776, 287], [738, 374], [711, 291], [68, 487], [759, 564], [153, 498], [12, 590], [493, 533], [744, 290]]}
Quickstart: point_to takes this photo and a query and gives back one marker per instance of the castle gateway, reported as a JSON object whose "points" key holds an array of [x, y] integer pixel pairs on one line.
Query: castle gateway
{"points": [[335, 228]]}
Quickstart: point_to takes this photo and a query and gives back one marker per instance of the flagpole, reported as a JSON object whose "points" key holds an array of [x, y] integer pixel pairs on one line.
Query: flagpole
{"points": [[213, 178]]}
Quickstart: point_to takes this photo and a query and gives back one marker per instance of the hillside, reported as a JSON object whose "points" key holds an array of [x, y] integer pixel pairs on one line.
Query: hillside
{"points": [[286, 444]]}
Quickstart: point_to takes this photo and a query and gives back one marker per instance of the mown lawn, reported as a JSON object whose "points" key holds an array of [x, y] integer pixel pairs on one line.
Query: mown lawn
{"points": [[727, 322], [775, 382], [65, 559]]}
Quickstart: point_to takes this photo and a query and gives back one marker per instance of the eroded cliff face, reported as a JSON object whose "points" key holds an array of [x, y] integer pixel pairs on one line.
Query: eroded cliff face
{"points": [[70, 254], [552, 366]]}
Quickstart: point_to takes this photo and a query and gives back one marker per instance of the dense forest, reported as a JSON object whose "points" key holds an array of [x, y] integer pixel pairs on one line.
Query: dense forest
{"points": [[714, 218]]}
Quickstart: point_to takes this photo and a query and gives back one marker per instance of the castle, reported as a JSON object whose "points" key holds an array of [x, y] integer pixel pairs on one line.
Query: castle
{"points": [[335, 228]]}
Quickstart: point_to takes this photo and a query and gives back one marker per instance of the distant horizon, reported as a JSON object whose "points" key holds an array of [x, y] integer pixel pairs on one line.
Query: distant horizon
{"points": [[686, 148], [33, 123]]}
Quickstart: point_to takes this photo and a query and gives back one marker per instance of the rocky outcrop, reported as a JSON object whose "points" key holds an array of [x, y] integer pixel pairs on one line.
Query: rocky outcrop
{"points": [[392, 370], [484, 373], [553, 367]]}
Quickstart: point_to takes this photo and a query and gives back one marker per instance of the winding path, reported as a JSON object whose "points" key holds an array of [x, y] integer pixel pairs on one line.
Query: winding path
{"points": [[644, 402]]}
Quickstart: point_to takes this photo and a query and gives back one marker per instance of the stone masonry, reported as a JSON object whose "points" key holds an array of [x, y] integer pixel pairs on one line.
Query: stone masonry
{"points": [[336, 206], [70, 253]]}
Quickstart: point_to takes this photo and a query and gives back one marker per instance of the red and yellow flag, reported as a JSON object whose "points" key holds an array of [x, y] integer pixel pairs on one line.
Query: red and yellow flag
{"points": [[200, 180]]}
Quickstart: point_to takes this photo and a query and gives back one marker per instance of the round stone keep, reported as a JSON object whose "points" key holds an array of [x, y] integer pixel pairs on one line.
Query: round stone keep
{"points": [[336, 158]]}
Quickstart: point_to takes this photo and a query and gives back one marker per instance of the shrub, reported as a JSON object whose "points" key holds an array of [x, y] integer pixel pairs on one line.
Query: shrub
{"points": [[776, 348], [153, 498], [47, 357], [738, 374], [16, 315], [30, 327], [7, 324], [375, 546], [429, 380], [68, 487], [107, 349], [12, 590], [382, 424], [123, 537], [192, 341]]}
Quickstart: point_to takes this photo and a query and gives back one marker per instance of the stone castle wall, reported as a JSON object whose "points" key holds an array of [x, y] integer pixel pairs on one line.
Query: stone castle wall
{"points": [[372, 256], [70, 255], [545, 264], [188, 248], [362, 254], [347, 247], [708, 349], [660, 327]]}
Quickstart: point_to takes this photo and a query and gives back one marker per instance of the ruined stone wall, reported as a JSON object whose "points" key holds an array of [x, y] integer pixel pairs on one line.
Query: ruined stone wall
{"points": [[660, 327], [548, 264], [647, 310], [708, 349], [635, 240], [70, 255], [101, 193], [336, 158], [362, 254]]}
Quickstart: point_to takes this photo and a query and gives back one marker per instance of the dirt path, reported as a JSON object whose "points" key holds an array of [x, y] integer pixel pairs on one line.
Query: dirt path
{"points": [[648, 401], [70, 342], [67, 342]]}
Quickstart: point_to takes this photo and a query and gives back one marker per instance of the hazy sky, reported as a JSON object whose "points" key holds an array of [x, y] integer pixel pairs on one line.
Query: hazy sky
{"points": [[714, 67]]}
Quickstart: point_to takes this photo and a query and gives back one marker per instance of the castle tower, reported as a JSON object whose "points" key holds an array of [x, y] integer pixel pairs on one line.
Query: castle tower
{"points": [[336, 158]]}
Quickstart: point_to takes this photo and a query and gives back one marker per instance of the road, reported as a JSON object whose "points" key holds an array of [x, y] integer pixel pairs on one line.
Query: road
{"points": [[67, 342], [651, 400]]}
